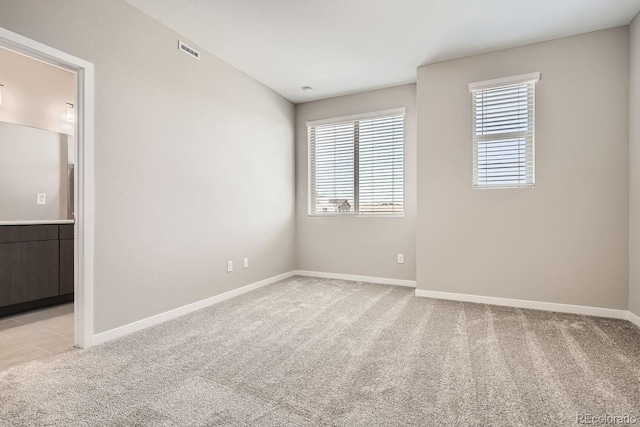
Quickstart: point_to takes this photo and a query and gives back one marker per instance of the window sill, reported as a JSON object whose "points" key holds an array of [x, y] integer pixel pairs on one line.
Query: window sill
{"points": [[502, 187], [352, 215]]}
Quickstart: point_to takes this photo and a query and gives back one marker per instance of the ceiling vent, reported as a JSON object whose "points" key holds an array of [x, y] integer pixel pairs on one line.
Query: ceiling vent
{"points": [[188, 50]]}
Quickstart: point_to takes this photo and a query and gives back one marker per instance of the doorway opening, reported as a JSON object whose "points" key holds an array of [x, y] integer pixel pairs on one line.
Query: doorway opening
{"points": [[50, 236]]}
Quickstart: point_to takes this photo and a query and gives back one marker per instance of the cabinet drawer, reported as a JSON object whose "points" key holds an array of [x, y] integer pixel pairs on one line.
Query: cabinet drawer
{"points": [[28, 271], [66, 231], [27, 233]]}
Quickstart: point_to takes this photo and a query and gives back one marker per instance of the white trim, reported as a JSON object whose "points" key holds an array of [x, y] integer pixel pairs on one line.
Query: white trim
{"points": [[505, 81], [84, 180], [534, 305], [503, 187], [633, 318], [363, 116], [84, 209], [181, 311], [353, 215], [355, 278]]}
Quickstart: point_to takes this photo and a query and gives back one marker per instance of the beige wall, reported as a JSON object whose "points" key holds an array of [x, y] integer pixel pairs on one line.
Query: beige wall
{"points": [[35, 94], [565, 241], [194, 161], [32, 161], [356, 245], [634, 169]]}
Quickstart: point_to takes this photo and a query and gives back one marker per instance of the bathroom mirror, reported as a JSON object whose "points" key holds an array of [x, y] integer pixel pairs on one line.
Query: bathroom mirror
{"points": [[36, 174]]}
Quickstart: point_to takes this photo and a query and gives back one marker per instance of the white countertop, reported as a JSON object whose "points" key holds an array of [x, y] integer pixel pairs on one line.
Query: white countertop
{"points": [[37, 222]]}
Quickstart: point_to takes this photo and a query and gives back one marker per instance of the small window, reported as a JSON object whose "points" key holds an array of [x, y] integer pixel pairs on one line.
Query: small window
{"points": [[503, 132], [356, 165]]}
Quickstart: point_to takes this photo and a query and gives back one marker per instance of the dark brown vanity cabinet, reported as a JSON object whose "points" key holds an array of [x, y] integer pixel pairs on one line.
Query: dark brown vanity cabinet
{"points": [[66, 259], [28, 271], [36, 266]]}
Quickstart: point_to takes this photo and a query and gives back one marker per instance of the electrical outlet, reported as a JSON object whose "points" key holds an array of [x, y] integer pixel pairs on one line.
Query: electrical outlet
{"points": [[41, 198], [229, 266], [400, 258], [245, 263]]}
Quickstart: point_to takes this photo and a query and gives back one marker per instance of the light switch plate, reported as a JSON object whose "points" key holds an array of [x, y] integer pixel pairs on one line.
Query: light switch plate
{"points": [[245, 263], [229, 266], [41, 198]]}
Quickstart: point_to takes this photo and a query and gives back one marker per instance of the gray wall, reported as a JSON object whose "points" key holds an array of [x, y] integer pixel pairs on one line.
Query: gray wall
{"points": [[564, 241], [357, 245], [634, 169], [32, 161], [194, 161]]}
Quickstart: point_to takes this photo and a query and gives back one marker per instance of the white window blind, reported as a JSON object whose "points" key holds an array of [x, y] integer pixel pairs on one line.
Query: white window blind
{"points": [[503, 132], [356, 165]]}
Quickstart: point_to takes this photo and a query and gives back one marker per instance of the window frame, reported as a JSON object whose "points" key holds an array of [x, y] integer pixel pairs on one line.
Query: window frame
{"points": [[522, 79], [351, 119]]}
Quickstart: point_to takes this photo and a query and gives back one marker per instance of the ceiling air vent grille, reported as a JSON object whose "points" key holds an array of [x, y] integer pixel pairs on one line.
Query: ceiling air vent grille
{"points": [[188, 50]]}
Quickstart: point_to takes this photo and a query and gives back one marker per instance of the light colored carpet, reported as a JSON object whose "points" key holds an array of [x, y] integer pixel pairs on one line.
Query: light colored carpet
{"points": [[308, 351]]}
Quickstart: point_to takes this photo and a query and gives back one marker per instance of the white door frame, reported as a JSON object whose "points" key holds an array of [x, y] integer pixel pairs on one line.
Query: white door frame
{"points": [[83, 180]]}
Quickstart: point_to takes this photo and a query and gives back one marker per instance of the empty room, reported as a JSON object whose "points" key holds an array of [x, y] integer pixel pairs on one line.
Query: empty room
{"points": [[319, 213]]}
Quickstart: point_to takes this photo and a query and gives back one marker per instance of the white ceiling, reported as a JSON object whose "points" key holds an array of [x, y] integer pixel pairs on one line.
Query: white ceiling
{"points": [[346, 46]]}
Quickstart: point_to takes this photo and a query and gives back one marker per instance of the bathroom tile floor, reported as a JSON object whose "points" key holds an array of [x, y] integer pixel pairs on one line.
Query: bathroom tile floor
{"points": [[34, 334]]}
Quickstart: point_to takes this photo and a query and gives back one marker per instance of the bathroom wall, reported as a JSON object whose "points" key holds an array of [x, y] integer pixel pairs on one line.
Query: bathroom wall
{"points": [[32, 161], [33, 137], [35, 93]]}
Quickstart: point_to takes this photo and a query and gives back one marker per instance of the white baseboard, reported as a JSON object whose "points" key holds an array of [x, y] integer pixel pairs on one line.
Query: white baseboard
{"points": [[633, 319], [180, 311], [355, 278], [535, 305]]}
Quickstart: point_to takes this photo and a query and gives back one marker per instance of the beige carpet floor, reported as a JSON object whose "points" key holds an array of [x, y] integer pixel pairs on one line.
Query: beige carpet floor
{"points": [[308, 352]]}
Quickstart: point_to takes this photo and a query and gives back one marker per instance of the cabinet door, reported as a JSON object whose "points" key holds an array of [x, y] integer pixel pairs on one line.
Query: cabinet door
{"points": [[66, 267], [28, 271]]}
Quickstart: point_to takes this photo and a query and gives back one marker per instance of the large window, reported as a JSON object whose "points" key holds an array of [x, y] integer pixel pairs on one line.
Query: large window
{"points": [[356, 165], [503, 132]]}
